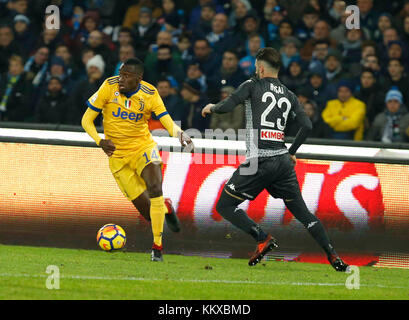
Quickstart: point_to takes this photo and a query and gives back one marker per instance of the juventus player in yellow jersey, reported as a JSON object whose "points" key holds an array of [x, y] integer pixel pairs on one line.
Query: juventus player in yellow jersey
{"points": [[126, 103]]}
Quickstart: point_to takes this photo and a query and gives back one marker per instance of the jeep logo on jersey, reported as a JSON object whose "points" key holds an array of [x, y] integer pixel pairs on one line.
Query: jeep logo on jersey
{"points": [[127, 115], [272, 135]]}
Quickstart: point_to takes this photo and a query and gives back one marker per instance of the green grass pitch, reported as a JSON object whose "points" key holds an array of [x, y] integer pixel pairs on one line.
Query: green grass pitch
{"points": [[94, 274]]}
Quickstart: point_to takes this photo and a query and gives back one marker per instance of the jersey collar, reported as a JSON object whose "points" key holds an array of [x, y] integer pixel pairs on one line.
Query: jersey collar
{"points": [[130, 94]]}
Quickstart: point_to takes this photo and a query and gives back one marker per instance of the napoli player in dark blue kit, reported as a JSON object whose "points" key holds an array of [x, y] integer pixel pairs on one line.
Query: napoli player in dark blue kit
{"points": [[269, 106]]}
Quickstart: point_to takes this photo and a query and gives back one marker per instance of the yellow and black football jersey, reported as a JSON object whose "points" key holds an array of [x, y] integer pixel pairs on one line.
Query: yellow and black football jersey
{"points": [[126, 115]]}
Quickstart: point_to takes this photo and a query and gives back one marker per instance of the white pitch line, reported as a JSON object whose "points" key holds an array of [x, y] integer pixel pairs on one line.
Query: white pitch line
{"points": [[80, 277]]}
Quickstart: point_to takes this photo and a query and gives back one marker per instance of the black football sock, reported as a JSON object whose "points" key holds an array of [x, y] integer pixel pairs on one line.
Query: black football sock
{"points": [[227, 208], [314, 226]]}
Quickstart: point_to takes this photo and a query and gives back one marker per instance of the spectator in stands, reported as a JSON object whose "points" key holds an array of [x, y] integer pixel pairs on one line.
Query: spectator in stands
{"points": [[195, 101], [53, 105], [133, 12], [285, 30], [339, 31], [16, 7], [351, 47], [184, 48], [318, 89], [86, 88], [195, 72], [320, 129], [384, 22], [232, 120], [126, 51], [268, 9], [196, 12], [305, 29], [290, 51], [371, 61], [162, 38], [371, 93], [165, 66], [392, 125], [229, 74], [173, 103], [64, 53], [320, 52], [321, 32], [368, 16], [295, 77], [25, 37], [86, 55], [8, 47], [250, 25], [334, 70], [369, 48], [49, 38], [247, 63], [389, 34], [397, 78], [125, 37], [219, 37], [203, 26], [171, 20], [346, 114], [37, 66], [271, 27], [206, 57], [96, 43], [240, 10], [15, 92], [396, 51], [58, 70], [145, 32]]}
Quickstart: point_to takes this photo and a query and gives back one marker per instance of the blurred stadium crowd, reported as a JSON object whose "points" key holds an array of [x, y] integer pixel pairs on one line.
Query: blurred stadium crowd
{"points": [[353, 83]]}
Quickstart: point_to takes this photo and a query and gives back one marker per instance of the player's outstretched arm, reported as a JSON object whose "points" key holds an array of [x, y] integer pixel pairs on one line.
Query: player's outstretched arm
{"points": [[87, 123], [176, 132]]}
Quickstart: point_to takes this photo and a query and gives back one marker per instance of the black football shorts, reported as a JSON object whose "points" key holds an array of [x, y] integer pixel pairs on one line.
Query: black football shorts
{"points": [[275, 174]]}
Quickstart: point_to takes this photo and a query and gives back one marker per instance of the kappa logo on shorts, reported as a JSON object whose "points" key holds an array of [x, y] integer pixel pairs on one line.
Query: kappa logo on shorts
{"points": [[231, 186]]}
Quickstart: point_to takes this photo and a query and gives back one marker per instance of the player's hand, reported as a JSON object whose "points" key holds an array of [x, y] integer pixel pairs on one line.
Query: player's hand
{"points": [[108, 146], [186, 141], [206, 110], [293, 158]]}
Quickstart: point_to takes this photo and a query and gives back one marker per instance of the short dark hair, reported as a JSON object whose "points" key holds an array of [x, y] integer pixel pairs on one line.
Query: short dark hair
{"points": [[369, 71], [163, 79], [138, 64], [395, 59], [271, 56]]}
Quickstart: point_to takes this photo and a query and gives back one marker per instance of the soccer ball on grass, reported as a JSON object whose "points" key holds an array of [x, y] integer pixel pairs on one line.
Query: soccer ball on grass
{"points": [[111, 237]]}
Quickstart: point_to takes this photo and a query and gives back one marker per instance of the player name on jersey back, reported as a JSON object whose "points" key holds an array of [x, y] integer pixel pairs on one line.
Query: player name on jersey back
{"points": [[272, 135]]}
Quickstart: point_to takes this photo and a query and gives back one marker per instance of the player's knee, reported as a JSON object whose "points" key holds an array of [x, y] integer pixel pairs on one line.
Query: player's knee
{"points": [[154, 190]]}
